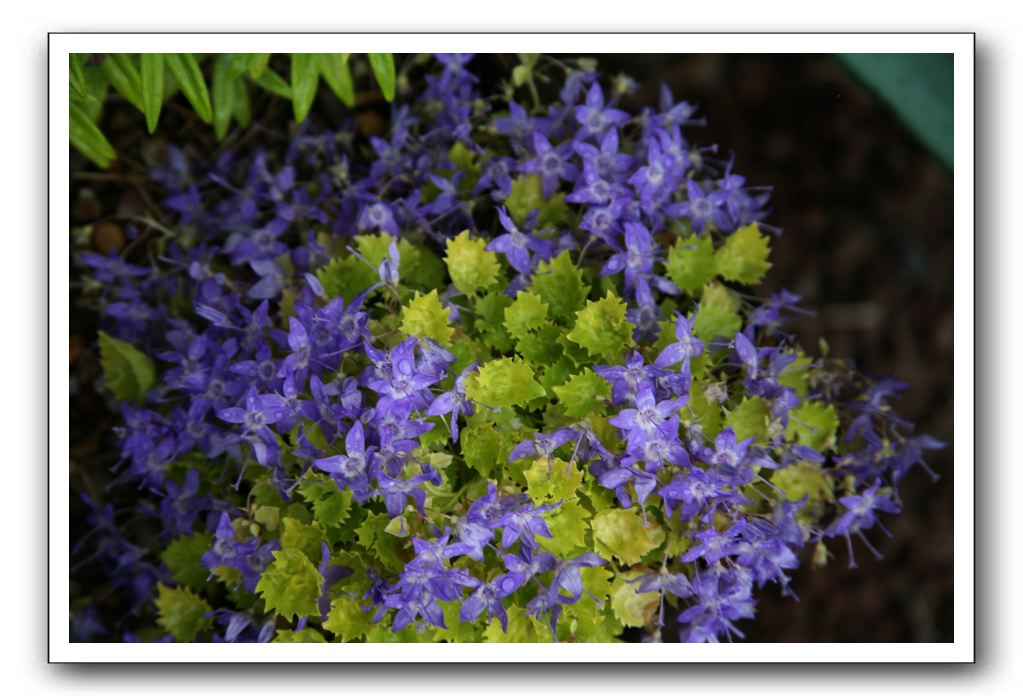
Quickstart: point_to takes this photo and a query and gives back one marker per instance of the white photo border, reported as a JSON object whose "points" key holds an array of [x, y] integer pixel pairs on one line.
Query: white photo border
{"points": [[961, 650]]}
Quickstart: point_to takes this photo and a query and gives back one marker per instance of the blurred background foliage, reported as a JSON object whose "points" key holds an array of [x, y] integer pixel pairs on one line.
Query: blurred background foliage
{"points": [[147, 80]]}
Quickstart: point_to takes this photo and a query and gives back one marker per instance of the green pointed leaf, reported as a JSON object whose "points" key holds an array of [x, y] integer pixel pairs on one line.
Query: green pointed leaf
{"points": [[181, 613], [472, 268], [622, 534], [76, 75], [691, 264], [743, 256], [186, 71], [425, 317], [272, 82], [88, 139], [602, 329], [383, 70], [152, 87], [242, 111], [560, 285], [122, 73], [338, 76], [224, 94], [503, 382], [183, 557], [252, 63], [305, 76], [291, 584], [583, 394], [128, 371]]}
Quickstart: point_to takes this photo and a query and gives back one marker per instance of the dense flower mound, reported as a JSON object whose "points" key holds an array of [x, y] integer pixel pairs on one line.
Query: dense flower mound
{"points": [[495, 377]]}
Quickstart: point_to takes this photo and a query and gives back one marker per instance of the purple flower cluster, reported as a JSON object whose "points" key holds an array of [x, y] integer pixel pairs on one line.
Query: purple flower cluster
{"points": [[267, 378]]}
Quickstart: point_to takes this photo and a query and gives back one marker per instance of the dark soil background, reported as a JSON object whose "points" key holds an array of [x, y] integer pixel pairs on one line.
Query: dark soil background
{"points": [[867, 219]]}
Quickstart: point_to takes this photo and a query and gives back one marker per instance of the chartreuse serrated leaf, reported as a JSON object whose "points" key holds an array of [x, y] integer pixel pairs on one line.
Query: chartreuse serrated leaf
{"points": [[559, 283], [718, 314], [708, 415], [525, 314], [481, 447], [122, 72], [552, 480], [457, 631], [632, 608], [813, 424], [527, 196], [743, 256], [224, 94], [522, 628], [186, 71], [346, 619], [129, 372], [556, 373], [182, 556], [602, 329], [383, 633], [306, 635], [88, 139], [567, 524], [799, 480], [583, 394], [749, 419], [796, 376], [372, 536], [503, 382], [291, 584], [425, 317], [382, 65], [346, 276], [489, 320], [419, 267], [622, 534], [338, 76], [151, 78], [472, 268], [182, 613], [541, 347], [303, 537], [691, 263], [305, 76], [330, 504]]}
